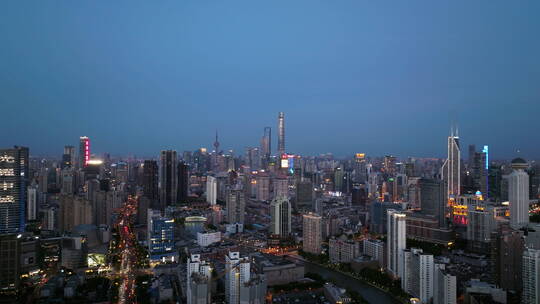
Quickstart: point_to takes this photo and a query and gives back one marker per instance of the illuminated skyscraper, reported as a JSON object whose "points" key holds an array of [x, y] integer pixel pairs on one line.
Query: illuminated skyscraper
{"points": [[13, 186], [396, 241], [518, 194], [168, 179], [281, 133], [451, 169], [84, 151]]}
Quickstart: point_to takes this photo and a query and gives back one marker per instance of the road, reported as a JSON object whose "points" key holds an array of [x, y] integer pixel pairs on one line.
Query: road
{"points": [[126, 293]]}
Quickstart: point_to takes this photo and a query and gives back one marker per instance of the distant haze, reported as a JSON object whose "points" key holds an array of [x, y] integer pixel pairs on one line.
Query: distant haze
{"points": [[351, 76]]}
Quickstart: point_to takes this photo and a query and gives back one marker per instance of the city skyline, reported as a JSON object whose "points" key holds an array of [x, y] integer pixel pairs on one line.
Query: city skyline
{"points": [[373, 78]]}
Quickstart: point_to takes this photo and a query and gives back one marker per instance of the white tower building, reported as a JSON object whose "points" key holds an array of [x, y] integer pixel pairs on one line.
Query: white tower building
{"points": [[211, 190], [396, 241], [451, 169], [531, 277], [280, 211], [518, 194]]}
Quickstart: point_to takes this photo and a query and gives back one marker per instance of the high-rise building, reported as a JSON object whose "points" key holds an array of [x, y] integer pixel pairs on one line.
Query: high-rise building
{"points": [[183, 181], [312, 233], [444, 286], [198, 280], [263, 187], [433, 199], [518, 194], [10, 255], [281, 133], [280, 211], [168, 179], [396, 241], [84, 151], [304, 195], [418, 271], [161, 237], [211, 190], [281, 187], [237, 273], [236, 204], [150, 182], [13, 184], [451, 169], [507, 246], [31, 203], [266, 143], [531, 277], [68, 158]]}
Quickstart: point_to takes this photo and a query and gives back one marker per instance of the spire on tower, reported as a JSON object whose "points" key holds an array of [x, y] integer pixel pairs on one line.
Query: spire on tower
{"points": [[216, 143]]}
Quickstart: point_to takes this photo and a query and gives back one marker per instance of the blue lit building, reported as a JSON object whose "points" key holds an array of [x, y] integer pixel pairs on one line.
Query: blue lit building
{"points": [[161, 239], [13, 183]]}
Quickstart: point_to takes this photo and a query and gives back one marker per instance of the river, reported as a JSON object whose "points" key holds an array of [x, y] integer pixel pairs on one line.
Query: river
{"points": [[370, 293]]}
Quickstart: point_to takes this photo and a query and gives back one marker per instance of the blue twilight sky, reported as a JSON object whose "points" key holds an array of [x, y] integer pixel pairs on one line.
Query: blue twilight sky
{"points": [[381, 77]]}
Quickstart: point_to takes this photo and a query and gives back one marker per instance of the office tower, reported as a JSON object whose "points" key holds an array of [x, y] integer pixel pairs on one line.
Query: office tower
{"points": [[211, 190], [168, 179], [13, 183], [360, 169], [237, 273], [150, 182], [506, 253], [68, 158], [472, 154], [481, 221], [161, 236], [281, 187], [312, 233], [433, 199], [359, 195], [418, 273], [31, 202], [280, 212], [389, 165], [253, 159], [263, 187], [198, 280], [451, 169], [266, 143], [531, 277], [304, 195], [379, 217], [396, 241], [281, 133], [444, 286], [84, 151], [9, 266], [236, 204], [68, 181], [183, 181], [518, 194]]}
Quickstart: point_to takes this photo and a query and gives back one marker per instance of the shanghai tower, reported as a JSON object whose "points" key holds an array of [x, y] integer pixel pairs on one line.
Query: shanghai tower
{"points": [[281, 133]]}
